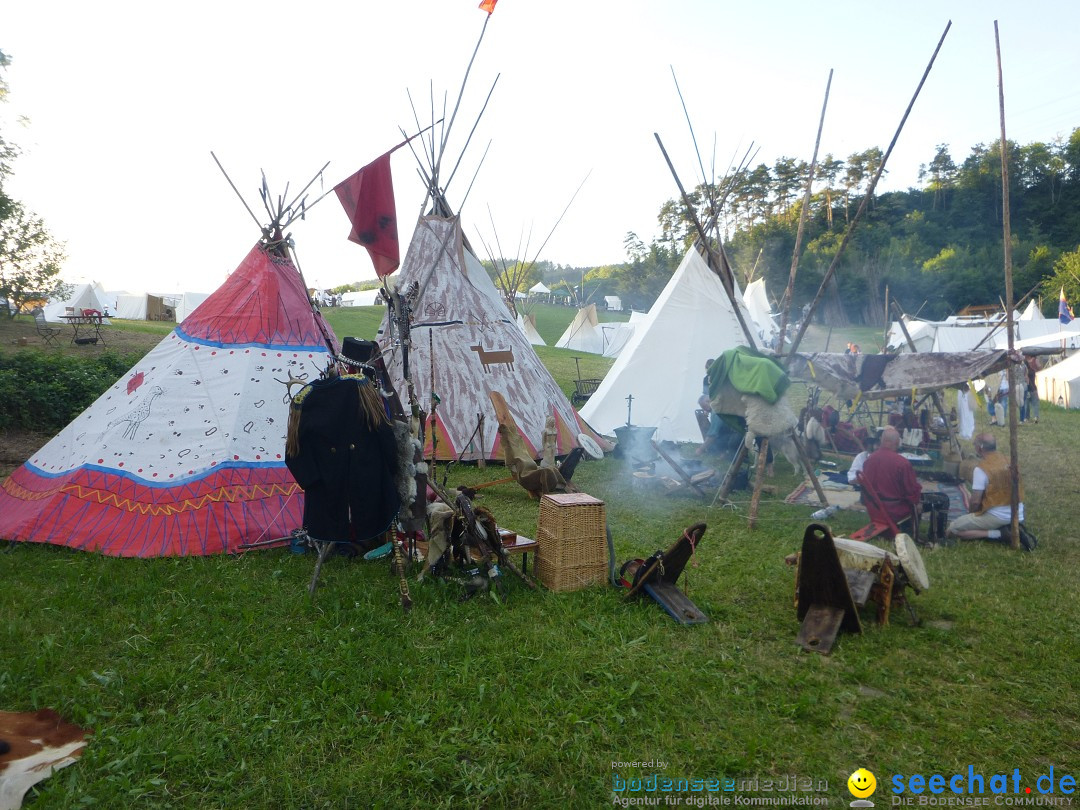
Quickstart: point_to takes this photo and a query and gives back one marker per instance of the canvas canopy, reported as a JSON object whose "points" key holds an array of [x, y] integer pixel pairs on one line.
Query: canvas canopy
{"points": [[1059, 384], [663, 364], [477, 348], [539, 288], [879, 376], [184, 455], [362, 298]]}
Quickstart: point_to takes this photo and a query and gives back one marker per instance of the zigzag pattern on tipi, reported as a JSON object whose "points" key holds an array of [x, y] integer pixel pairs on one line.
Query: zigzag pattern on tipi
{"points": [[185, 453]]}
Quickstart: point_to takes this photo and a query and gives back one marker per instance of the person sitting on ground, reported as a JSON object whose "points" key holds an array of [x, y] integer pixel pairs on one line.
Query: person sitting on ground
{"points": [[990, 509], [870, 444], [892, 478]]}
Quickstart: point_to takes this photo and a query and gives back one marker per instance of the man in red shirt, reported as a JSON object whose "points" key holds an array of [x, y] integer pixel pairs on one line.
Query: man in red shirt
{"points": [[892, 477]]}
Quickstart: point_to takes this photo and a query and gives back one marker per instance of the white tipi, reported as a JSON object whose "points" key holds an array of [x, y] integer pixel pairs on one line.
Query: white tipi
{"points": [[663, 364], [583, 334]]}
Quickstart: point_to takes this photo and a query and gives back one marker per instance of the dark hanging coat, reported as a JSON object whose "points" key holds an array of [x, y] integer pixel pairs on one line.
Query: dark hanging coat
{"points": [[347, 471]]}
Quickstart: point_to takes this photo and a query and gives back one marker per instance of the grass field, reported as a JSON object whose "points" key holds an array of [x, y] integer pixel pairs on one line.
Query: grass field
{"points": [[217, 682]]}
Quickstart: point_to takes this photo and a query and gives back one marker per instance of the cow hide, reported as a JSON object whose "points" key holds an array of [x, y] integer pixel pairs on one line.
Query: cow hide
{"points": [[41, 742]]}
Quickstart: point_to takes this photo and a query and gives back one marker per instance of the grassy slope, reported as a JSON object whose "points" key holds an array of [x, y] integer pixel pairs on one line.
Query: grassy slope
{"points": [[218, 683]]}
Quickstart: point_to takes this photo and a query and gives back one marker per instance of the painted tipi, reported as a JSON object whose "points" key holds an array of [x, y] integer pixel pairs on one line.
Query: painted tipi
{"points": [[184, 455], [464, 337]]}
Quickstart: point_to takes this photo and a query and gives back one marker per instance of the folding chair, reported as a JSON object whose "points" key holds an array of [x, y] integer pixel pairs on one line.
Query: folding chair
{"points": [[882, 523], [45, 332]]}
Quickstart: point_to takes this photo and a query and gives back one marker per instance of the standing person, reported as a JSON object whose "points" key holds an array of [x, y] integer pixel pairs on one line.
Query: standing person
{"points": [[990, 508], [892, 477], [1031, 368], [1001, 409], [965, 411]]}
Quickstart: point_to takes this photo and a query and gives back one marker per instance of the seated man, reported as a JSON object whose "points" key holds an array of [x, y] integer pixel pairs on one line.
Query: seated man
{"points": [[892, 478], [857, 464], [990, 510]]}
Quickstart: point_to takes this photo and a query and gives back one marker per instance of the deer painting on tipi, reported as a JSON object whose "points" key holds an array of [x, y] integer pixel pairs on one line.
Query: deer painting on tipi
{"points": [[137, 415]]}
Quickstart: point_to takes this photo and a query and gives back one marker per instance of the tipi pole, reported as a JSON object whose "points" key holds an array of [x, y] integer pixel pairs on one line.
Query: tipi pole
{"points": [[865, 201], [716, 262], [1014, 468], [243, 202], [790, 291]]}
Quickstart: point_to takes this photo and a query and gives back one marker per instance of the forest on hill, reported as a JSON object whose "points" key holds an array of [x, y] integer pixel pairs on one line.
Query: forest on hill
{"points": [[936, 248]]}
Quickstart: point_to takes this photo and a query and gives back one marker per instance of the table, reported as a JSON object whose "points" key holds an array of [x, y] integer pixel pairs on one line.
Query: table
{"points": [[88, 325]]}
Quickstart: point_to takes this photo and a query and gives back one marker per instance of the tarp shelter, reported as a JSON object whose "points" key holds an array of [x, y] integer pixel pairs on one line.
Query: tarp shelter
{"points": [[478, 348], [184, 455], [663, 364], [85, 295], [187, 304], [362, 298], [583, 333], [1059, 384], [757, 303], [879, 376], [143, 307]]}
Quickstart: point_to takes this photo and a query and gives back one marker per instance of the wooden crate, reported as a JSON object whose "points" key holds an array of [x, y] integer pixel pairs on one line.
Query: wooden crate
{"points": [[572, 532]]}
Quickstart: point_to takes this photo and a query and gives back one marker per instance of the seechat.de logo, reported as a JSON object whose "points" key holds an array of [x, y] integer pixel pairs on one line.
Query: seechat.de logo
{"points": [[862, 785]]}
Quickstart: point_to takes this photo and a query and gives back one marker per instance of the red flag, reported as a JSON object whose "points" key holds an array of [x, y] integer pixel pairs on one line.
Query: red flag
{"points": [[488, 5], [368, 200]]}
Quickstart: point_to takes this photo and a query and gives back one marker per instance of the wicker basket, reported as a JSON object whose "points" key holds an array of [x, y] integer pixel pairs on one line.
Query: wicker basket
{"points": [[572, 533]]}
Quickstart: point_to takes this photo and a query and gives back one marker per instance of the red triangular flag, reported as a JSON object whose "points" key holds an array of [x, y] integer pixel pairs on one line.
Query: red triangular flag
{"points": [[368, 200], [488, 5]]}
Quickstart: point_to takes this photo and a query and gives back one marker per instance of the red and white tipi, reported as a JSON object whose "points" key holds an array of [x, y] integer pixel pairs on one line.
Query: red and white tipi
{"points": [[185, 454]]}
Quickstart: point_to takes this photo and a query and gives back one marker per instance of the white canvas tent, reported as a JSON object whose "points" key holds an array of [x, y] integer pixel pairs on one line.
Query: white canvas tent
{"points": [[1059, 384], [362, 298], [476, 347], [616, 335], [922, 334], [757, 303], [1032, 312], [583, 333], [187, 304], [142, 307], [663, 364], [84, 295], [527, 324], [613, 302], [539, 288]]}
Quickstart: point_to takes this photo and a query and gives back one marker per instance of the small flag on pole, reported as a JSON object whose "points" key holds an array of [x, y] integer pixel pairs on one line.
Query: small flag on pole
{"points": [[488, 6], [1065, 313], [368, 200]]}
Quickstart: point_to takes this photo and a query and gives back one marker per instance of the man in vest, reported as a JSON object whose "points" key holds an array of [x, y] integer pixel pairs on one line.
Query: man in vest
{"points": [[990, 509]]}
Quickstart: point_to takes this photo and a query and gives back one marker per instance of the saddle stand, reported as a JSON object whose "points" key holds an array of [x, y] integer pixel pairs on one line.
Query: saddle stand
{"points": [[825, 606], [657, 576]]}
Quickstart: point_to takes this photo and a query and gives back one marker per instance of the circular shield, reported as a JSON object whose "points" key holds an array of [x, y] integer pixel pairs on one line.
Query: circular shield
{"points": [[589, 445], [912, 563]]}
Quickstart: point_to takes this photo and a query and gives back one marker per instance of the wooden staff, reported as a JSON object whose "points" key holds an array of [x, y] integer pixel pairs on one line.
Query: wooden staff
{"points": [[1014, 467], [865, 201]]}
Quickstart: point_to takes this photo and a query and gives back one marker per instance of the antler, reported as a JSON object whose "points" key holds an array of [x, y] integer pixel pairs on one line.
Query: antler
{"points": [[289, 383]]}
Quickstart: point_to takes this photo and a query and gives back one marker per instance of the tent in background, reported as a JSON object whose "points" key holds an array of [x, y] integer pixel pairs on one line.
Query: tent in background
{"points": [[188, 302], [84, 295], [616, 335], [143, 307], [613, 302], [184, 455], [1059, 384], [663, 363], [757, 303], [527, 324], [362, 298], [583, 333], [478, 348], [1032, 312]]}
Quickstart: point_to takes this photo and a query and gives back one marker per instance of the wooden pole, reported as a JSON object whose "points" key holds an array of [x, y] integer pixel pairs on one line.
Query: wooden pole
{"points": [[865, 201], [790, 291], [1014, 467]]}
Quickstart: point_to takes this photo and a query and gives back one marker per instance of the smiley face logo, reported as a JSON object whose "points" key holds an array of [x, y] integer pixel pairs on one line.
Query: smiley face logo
{"points": [[861, 783]]}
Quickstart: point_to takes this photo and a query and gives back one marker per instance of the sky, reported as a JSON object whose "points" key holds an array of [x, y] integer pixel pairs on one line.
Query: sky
{"points": [[124, 103]]}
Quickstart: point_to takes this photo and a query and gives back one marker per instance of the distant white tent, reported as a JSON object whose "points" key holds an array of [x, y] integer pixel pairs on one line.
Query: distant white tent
{"points": [[663, 364], [757, 302], [583, 333], [613, 302], [1046, 332], [187, 304], [143, 307], [922, 335], [527, 324], [1059, 384], [363, 298], [85, 295], [539, 288], [1032, 312]]}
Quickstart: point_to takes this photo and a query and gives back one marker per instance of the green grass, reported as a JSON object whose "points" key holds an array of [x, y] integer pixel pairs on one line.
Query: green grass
{"points": [[217, 682]]}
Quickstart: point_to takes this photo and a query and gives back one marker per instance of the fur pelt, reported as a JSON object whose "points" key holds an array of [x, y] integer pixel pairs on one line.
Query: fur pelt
{"points": [[763, 419], [405, 470]]}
